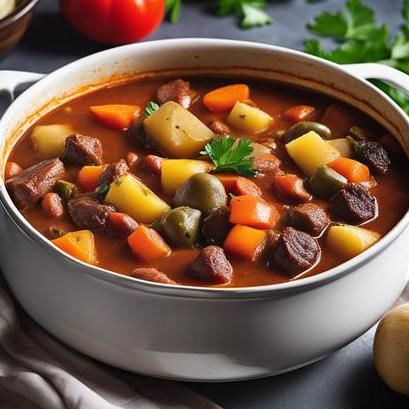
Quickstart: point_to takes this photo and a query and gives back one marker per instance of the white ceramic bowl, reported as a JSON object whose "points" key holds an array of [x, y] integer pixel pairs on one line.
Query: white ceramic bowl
{"points": [[190, 333]]}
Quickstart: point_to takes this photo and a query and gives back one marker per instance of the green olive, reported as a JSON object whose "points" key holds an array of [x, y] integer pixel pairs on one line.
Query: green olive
{"points": [[301, 128], [181, 226], [201, 191]]}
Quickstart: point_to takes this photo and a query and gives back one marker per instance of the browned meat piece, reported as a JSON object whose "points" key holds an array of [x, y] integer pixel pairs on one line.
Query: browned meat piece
{"points": [[28, 187], [178, 91], [295, 251], [266, 163], [353, 204], [211, 265], [308, 217], [11, 170], [87, 212], [153, 163], [219, 128], [112, 172], [132, 159], [152, 274], [82, 150], [121, 224], [53, 205], [54, 232], [216, 226], [374, 155]]}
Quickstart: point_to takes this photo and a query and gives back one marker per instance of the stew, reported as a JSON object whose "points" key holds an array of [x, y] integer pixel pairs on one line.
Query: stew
{"points": [[209, 181]]}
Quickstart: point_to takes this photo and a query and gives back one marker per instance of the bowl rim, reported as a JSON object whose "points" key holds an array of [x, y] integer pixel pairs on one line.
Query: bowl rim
{"points": [[19, 11], [189, 291]]}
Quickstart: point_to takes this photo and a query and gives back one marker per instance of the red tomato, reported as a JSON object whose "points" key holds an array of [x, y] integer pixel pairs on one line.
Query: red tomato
{"points": [[114, 21]]}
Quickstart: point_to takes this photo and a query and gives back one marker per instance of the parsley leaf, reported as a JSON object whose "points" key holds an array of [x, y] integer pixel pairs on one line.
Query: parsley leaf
{"points": [[230, 155], [173, 8], [251, 11], [150, 108], [360, 40]]}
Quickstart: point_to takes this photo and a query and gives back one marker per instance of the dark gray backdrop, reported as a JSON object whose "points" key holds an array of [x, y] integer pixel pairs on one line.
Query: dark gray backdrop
{"points": [[347, 379]]}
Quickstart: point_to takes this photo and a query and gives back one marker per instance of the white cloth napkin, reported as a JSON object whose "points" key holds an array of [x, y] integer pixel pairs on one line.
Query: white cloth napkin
{"points": [[39, 372]]}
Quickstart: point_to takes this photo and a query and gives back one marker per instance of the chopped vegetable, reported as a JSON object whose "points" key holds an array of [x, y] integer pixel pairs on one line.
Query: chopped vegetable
{"points": [[391, 349], [325, 182], [249, 119], [49, 140], [117, 116], [302, 128], [175, 172], [299, 113], [176, 131], [354, 171], [147, 244], [291, 188], [88, 176], [66, 190], [79, 244], [253, 211], [228, 155], [245, 242], [310, 152], [343, 146], [239, 185], [349, 241], [224, 98], [129, 195], [150, 108]]}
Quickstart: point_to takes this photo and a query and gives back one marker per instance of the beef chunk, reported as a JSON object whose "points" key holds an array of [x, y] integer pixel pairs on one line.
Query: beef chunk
{"points": [[295, 251], [353, 204], [374, 155], [152, 274], [216, 226], [82, 150], [28, 187], [219, 128], [87, 212], [112, 172], [178, 91], [308, 217], [212, 265]]}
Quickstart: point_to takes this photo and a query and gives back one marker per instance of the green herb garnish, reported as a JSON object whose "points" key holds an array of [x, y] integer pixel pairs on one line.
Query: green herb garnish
{"points": [[230, 155], [360, 39], [173, 8], [150, 108]]}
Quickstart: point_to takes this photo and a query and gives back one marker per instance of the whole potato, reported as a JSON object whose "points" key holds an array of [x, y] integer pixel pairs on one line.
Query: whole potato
{"points": [[391, 349]]}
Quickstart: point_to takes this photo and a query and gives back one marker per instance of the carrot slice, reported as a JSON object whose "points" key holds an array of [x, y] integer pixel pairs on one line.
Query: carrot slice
{"points": [[224, 98], [88, 176], [117, 116], [79, 244], [291, 188], [245, 242], [254, 212], [147, 244], [354, 171], [299, 113], [239, 185]]}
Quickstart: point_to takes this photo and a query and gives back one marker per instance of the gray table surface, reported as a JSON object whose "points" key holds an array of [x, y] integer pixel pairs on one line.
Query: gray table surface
{"points": [[347, 379]]}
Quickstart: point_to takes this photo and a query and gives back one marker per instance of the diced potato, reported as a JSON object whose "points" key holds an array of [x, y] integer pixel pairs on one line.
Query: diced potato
{"points": [[249, 119], [349, 241], [49, 140], [176, 131], [79, 244], [343, 146], [175, 171], [310, 152], [129, 195]]}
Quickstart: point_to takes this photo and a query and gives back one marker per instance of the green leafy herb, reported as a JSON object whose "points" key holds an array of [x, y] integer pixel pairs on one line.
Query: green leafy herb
{"points": [[360, 39], [230, 155], [251, 11], [150, 108], [173, 8]]}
